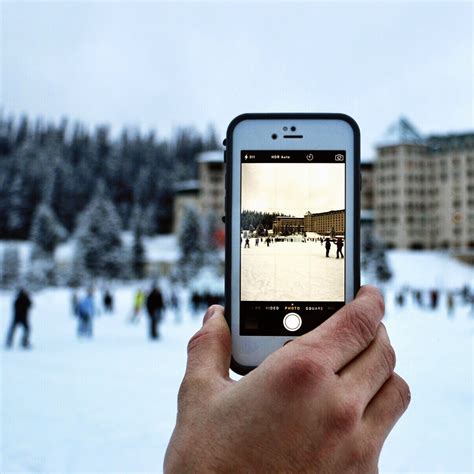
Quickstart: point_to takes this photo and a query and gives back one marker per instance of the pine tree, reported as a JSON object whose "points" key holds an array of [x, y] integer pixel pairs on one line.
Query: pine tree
{"points": [[138, 254], [190, 243], [10, 266], [99, 245], [46, 232]]}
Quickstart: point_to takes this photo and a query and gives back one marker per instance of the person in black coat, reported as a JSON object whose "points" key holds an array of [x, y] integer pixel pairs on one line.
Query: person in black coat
{"points": [[21, 308], [154, 306], [339, 245], [328, 246]]}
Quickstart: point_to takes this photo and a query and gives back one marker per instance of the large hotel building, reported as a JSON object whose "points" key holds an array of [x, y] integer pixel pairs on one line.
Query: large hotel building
{"points": [[417, 193], [423, 189], [323, 223]]}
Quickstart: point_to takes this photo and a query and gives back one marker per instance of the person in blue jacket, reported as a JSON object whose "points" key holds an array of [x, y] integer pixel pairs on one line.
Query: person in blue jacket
{"points": [[86, 312]]}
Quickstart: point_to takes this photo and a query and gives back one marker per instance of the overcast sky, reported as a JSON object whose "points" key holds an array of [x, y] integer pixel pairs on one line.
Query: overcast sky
{"points": [[292, 188], [162, 65]]}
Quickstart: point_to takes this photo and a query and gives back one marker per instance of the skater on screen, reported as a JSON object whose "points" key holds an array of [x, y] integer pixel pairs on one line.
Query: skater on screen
{"points": [[247, 243], [339, 245], [328, 246]]}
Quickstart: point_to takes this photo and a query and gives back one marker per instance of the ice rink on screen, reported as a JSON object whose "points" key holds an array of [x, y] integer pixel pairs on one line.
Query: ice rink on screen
{"points": [[285, 271]]}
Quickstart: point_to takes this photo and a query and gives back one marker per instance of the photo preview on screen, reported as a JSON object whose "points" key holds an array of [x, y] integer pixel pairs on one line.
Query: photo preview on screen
{"points": [[292, 242]]}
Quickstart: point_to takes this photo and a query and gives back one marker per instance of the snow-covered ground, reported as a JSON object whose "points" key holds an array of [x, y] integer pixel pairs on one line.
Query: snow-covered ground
{"points": [[108, 405], [295, 270]]}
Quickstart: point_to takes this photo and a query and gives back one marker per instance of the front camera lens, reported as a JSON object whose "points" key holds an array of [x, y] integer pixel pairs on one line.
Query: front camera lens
{"points": [[293, 128], [274, 136]]}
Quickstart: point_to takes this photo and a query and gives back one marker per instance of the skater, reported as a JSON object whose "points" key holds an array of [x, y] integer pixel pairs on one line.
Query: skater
{"points": [[418, 297], [174, 305], [86, 313], [328, 246], [434, 299], [450, 304], [256, 242], [247, 243], [21, 308], [339, 245], [400, 299], [154, 306], [268, 241], [138, 302], [108, 302]]}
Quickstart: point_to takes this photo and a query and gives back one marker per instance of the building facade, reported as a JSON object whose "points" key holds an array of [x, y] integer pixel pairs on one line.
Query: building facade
{"points": [[205, 195], [423, 189], [211, 184], [325, 223]]}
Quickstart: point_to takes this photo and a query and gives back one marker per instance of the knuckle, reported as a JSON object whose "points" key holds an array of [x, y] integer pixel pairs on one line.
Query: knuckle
{"points": [[403, 391], [360, 324], [301, 370], [375, 297], [346, 414], [201, 337]]}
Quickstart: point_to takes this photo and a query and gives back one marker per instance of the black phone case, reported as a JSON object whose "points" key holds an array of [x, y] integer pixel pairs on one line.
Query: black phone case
{"points": [[235, 366]]}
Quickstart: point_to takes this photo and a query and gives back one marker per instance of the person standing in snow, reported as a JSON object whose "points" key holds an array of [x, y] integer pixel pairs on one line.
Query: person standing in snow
{"points": [[86, 313], [138, 302], [108, 302], [339, 245], [21, 308], [328, 246], [434, 298], [154, 305], [450, 303], [247, 243]]}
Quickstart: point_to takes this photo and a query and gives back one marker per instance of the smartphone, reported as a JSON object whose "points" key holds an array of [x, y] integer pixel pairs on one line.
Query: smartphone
{"points": [[292, 227]]}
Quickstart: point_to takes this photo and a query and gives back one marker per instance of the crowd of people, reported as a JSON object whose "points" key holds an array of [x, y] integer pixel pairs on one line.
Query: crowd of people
{"points": [[85, 308], [431, 299], [153, 304], [326, 241]]}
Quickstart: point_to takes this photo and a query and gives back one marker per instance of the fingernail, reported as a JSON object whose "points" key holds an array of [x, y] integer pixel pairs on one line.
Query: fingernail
{"points": [[209, 313]]}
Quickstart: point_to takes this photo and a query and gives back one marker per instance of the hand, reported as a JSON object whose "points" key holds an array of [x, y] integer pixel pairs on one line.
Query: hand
{"points": [[323, 403]]}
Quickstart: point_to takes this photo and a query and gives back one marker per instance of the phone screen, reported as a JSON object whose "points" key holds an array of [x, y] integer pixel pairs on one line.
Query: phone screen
{"points": [[292, 240]]}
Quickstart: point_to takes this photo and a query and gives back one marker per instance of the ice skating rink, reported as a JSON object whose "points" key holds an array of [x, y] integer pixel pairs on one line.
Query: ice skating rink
{"points": [[287, 271], [108, 405]]}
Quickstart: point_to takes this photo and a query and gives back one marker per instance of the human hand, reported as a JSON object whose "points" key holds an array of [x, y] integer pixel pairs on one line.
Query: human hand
{"points": [[323, 403]]}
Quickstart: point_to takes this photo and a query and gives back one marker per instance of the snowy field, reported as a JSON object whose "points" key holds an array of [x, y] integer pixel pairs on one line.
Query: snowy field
{"points": [[291, 271], [108, 405]]}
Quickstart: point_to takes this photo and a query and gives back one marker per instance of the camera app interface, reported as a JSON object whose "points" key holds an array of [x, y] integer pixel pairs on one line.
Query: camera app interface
{"points": [[292, 240]]}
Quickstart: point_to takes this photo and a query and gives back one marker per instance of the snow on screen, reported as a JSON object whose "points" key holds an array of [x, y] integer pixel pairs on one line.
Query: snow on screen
{"points": [[292, 232]]}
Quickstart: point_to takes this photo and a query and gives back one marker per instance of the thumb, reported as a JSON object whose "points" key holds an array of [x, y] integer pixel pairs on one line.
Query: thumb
{"points": [[209, 349]]}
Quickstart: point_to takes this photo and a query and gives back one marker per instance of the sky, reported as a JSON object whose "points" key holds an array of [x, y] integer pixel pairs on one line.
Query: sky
{"points": [[163, 65], [292, 188]]}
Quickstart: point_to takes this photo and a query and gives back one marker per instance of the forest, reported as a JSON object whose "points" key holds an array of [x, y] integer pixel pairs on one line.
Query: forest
{"points": [[252, 220], [61, 165]]}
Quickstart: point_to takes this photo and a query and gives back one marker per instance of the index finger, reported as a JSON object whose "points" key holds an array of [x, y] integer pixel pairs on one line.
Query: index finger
{"points": [[349, 331]]}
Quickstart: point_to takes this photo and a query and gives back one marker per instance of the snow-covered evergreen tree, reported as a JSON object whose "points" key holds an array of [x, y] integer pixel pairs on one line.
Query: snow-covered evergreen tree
{"points": [[99, 246], [189, 240], [10, 266], [209, 242], [138, 254], [46, 232]]}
